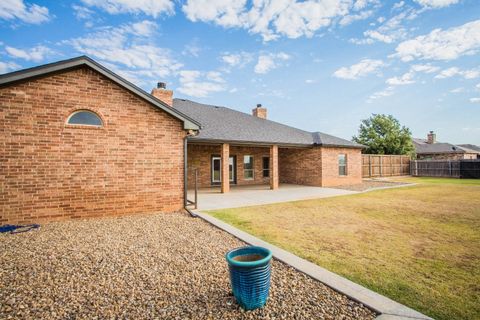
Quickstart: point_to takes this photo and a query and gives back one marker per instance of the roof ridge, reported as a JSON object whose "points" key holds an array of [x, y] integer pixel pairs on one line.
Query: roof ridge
{"points": [[245, 114]]}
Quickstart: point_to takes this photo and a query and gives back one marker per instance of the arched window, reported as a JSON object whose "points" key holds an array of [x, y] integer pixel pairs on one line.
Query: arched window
{"points": [[86, 118]]}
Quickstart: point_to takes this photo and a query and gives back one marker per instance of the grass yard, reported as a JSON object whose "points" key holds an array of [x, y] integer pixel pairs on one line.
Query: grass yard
{"points": [[418, 245]]}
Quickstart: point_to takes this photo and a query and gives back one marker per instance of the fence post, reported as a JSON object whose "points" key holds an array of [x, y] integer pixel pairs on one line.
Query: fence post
{"points": [[369, 166], [449, 168], [381, 169], [401, 166]]}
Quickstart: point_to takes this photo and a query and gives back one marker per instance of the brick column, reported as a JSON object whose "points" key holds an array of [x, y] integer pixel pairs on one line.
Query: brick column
{"points": [[274, 167], [225, 172]]}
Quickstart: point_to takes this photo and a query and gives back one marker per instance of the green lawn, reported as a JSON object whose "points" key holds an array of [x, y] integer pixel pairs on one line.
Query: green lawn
{"points": [[418, 245]]}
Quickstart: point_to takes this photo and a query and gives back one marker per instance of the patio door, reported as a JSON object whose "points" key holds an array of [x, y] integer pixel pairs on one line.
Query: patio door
{"points": [[217, 169]]}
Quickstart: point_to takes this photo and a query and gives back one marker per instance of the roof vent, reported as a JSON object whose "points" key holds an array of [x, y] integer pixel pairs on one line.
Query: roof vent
{"points": [[161, 85]]}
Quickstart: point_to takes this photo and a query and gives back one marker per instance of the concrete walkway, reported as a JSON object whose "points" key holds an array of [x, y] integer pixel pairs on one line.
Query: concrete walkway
{"points": [[244, 196]]}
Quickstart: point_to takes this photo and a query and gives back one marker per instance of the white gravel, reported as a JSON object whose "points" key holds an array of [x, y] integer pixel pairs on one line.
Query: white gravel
{"points": [[165, 266]]}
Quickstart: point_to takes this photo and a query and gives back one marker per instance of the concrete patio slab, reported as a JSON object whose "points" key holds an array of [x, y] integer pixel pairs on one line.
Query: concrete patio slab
{"points": [[244, 196]]}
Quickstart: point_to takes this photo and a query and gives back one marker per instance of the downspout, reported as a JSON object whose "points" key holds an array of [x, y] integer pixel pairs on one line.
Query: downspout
{"points": [[185, 171]]}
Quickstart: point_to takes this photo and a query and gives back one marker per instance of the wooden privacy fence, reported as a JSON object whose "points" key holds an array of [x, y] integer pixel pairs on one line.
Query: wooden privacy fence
{"points": [[446, 168], [377, 165]]}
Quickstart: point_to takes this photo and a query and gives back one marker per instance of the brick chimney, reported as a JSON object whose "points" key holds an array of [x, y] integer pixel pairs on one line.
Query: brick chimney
{"points": [[431, 137], [161, 93], [259, 112]]}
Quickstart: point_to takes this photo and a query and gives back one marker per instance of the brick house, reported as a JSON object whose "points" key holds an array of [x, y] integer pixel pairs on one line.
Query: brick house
{"points": [[79, 141], [431, 149]]}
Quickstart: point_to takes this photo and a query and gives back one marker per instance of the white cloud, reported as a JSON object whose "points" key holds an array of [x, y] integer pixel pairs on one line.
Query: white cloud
{"points": [[381, 94], [436, 3], [442, 44], [152, 8], [426, 68], [144, 28], [8, 66], [406, 78], [29, 13], [82, 13], [270, 19], [398, 5], [192, 48], [267, 62], [454, 71], [348, 19], [389, 31], [477, 87], [361, 69], [36, 54], [475, 100], [215, 76], [309, 81], [458, 90], [127, 50], [237, 59], [375, 35], [200, 84]]}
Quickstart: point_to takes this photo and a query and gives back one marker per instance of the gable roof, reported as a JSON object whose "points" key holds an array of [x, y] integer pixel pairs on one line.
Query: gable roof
{"points": [[422, 147], [228, 125], [60, 66]]}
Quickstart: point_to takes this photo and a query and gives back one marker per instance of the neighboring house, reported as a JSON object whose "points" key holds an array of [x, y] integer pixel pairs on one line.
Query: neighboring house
{"points": [[79, 141], [430, 149]]}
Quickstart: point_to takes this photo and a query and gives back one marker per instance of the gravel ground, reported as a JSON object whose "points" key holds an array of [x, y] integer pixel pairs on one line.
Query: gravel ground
{"points": [[370, 184], [150, 266]]}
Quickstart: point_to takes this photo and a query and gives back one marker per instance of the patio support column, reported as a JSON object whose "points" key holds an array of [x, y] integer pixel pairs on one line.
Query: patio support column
{"points": [[225, 168], [274, 167]]}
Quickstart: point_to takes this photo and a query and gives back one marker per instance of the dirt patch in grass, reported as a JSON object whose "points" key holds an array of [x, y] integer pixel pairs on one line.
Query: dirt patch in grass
{"points": [[419, 245], [368, 184]]}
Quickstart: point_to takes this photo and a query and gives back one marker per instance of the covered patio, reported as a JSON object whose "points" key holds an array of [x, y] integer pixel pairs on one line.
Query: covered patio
{"points": [[251, 195]]}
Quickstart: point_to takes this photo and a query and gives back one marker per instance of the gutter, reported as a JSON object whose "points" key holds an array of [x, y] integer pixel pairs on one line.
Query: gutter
{"points": [[185, 172]]}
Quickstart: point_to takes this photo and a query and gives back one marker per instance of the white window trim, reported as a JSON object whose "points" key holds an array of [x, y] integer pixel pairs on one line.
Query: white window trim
{"points": [[345, 165], [81, 124], [253, 168]]}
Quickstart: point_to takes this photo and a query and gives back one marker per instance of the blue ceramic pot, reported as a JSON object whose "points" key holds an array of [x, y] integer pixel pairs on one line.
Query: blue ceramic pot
{"points": [[250, 269]]}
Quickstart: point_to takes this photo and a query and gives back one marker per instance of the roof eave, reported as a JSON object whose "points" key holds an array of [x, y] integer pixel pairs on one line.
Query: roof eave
{"points": [[267, 143]]}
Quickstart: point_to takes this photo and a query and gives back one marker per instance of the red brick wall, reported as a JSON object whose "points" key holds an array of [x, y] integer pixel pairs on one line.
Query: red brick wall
{"points": [[319, 166], [200, 157], [300, 166], [330, 176], [50, 170]]}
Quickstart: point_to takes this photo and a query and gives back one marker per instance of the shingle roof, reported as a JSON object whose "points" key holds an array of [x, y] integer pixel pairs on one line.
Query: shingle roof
{"points": [[422, 147], [60, 66], [225, 124], [472, 147]]}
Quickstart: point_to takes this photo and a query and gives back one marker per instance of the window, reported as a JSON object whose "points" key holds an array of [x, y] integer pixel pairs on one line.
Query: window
{"points": [[248, 168], [342, 164], [266, 167], [85, 118]]}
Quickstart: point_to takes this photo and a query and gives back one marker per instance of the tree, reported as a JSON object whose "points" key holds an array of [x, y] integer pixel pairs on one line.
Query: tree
{"points": [[383, 134]]}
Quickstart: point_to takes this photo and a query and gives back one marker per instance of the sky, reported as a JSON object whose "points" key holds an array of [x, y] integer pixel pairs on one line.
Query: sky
{"points": [[320, 65]]}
